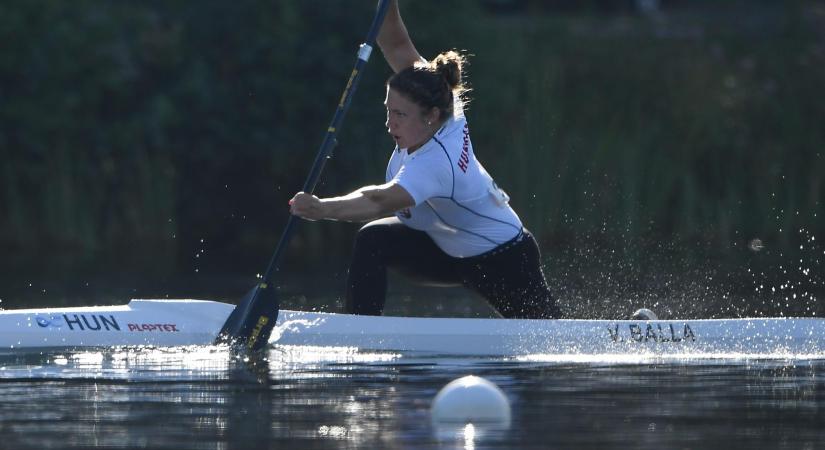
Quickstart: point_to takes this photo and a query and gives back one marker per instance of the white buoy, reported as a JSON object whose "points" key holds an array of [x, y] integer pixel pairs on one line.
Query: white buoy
{"points": [[471, 399], [644, 314]]}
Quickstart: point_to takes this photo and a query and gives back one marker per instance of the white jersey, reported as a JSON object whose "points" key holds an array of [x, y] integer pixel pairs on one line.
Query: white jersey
{"points": [[456, 201]]}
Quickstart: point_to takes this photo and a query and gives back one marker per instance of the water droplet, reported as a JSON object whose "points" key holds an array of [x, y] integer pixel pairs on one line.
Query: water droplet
{"points": [[756, 245]]}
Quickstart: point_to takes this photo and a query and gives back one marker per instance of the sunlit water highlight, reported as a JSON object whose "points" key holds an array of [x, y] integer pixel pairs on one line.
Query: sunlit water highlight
{"points": [[312, 397]]}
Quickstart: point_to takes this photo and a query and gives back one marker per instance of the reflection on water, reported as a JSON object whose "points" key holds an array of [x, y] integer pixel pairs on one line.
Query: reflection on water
{"points": [[203, 397]]}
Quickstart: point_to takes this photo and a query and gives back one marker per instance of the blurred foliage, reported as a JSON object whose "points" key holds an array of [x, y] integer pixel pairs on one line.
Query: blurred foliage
{"points": [[165, 137]]}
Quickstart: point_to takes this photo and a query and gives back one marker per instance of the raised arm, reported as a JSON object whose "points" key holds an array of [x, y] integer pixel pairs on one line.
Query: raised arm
{"points": [[395, 42]]}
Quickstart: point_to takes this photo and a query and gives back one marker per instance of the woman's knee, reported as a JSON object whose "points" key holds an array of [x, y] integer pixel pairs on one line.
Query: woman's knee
{"points": [[373, 236]]}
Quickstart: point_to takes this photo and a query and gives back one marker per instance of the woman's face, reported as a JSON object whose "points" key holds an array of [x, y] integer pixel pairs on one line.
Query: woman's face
{"points": [[407, 123]]}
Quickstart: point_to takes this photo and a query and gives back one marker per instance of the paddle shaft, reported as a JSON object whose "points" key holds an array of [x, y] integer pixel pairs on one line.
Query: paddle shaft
{"points": [[329, 141], [251, 323]]}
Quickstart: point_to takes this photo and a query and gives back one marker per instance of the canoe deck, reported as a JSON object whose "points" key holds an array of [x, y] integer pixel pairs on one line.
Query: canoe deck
{"points": [[513, 337], [197, 322]]}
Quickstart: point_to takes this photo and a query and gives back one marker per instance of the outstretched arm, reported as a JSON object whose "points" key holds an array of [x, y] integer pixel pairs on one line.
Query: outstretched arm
{"points": [[367, 203], [395, 42]]}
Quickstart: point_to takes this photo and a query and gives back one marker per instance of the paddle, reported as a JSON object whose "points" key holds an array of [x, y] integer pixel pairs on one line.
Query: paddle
{"points": [[252, 321]]}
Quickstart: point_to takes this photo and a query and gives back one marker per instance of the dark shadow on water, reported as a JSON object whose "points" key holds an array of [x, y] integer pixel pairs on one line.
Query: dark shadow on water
{"points": [[590, 279], [358, 401]]}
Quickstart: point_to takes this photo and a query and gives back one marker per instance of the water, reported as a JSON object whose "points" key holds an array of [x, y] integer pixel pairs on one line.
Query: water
{"points": [[203, 398]]}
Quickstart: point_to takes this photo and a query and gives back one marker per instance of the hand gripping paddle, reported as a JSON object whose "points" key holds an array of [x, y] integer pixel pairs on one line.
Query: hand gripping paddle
{"points": [[251, 322]]}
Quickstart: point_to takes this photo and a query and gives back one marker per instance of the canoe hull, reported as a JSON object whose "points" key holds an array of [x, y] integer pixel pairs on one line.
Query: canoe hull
{"points": [[497, 337], [141, 322], [197, 322]]}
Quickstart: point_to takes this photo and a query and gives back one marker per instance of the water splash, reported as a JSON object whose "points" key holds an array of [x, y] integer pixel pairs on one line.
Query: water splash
{"points": [[596, 279]]}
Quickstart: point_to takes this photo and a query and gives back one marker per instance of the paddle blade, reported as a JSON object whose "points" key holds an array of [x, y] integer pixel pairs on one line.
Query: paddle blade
{"points": [[251, 322]]}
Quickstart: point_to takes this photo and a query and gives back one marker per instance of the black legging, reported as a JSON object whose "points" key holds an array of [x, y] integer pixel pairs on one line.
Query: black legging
{"points": [[509, 277]]}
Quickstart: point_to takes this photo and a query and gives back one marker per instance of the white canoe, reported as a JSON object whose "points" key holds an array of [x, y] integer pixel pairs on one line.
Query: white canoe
{"points": [[141, 322], [197, 322]]}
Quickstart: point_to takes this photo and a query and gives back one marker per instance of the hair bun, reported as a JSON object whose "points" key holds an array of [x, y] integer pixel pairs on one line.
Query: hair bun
{"points": [[449, 65], [434, 84]]}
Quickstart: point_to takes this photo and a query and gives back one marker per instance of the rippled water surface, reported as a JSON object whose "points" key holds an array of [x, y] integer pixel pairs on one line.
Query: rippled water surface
{"points": [[203, 398]]}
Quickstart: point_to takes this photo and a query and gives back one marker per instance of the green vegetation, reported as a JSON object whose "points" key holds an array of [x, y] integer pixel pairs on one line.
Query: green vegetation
{"points": [[164, 137]]}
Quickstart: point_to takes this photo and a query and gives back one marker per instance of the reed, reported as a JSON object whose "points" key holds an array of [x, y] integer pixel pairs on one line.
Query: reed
{"points": [[701, 129]]}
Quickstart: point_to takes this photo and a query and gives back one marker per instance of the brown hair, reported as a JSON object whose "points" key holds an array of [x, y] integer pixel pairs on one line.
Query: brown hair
{"points": [[433, 84]]}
